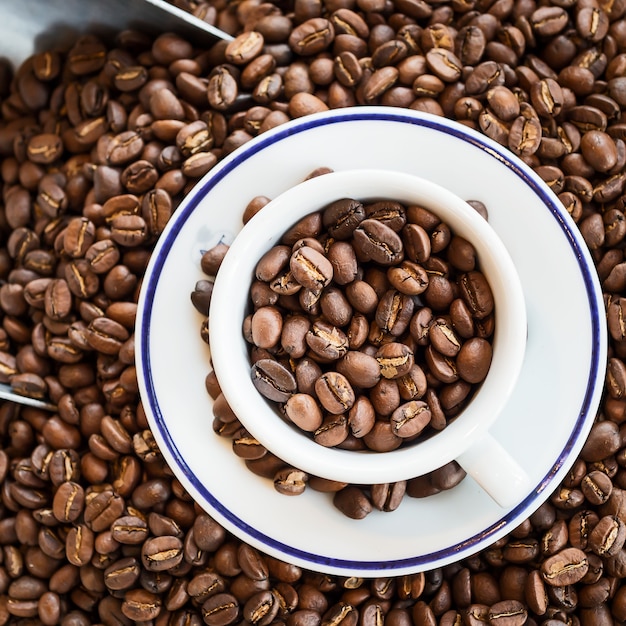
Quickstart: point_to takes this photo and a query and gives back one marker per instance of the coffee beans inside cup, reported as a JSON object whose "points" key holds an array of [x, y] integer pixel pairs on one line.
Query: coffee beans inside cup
{"points": [[371, 324]]}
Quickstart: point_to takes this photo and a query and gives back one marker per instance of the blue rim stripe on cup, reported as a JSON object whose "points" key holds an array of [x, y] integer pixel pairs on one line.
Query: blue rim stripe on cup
{"points": [[532, 180]]}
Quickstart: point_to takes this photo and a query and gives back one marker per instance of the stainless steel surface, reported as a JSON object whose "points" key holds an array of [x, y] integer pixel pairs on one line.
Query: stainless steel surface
{"points": [[6, 393], [29, 26]]}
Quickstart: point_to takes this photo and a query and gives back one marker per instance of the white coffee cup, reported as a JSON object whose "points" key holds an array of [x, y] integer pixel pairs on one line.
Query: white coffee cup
{"points": [[465, 439]]}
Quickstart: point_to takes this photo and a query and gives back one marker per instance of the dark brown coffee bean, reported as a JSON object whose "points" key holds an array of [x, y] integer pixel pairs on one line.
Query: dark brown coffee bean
{"points": [[474, 359], [477, 294], [79, 236], [45, 148], [333, 430], [603, 441], [388, 496], [361, 417], [129, 530], [395, 360], [69, 501], [327, 341], [311, 268], [599, 150], [293, 335], [394, 312], [312, 36], [382, 438], [161, 553], [380, 81], [608, 536], [361, 370], [303, 410], [220, 610], [266, 327], [408, 278], [334, 392], [362, 296], [105, 335], [565, 568], [273, 380], [351, 501], [79, 545], [410, 419], [222, 89], [443, 338], [509, 612], [375, 241], [102, 509], [444, 64], [290, 482], [441, 367], [342, 217]]}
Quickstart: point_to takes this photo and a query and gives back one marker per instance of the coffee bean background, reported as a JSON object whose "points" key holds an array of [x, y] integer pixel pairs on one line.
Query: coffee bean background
{"points": [[99, 143]]}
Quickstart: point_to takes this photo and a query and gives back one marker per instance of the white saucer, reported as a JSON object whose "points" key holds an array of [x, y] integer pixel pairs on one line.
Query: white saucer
{"points": [[544, 425]]}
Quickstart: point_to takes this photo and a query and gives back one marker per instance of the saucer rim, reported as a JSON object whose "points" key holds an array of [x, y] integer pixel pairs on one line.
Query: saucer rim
{"points": [[585, 265]]}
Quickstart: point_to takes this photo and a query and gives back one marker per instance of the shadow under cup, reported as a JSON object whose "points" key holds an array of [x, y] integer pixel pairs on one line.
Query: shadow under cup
{"points": [[466, 438]]}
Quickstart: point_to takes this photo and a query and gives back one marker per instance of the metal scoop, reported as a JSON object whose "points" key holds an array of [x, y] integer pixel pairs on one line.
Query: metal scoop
{"points": [[30, 26], [7, 393]]}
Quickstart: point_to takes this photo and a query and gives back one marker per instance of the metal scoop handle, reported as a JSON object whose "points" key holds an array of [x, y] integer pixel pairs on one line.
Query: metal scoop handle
{"points": [[7, 393], [30, 26]]}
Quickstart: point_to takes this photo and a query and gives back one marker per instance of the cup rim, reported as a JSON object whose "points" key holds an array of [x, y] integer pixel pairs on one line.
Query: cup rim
{"points": [[230, 300]]}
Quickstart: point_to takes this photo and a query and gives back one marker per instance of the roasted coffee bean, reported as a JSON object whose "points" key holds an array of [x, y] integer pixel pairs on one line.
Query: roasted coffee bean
{"points": [[565, 568], [477, 294], [394, 312], [273, 380], [141, 605], [68, 502], [334, 392], [361, 370], [220, 610], [290, 482], [596, 486], [342, 217], [374, 241], [161, 553], [333, 431], [473, 359], [311, 268], [395, 360], [608, 536], [326, 340], [410, 419], [129, 530], [388, 496], [44, 148], [312, 36], [508, 612], [408, 278], [266, 326], [303, 410], [351, 501]]}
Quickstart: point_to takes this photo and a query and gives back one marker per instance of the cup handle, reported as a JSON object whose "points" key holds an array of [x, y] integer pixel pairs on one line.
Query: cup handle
{"points": [[493, 468]]}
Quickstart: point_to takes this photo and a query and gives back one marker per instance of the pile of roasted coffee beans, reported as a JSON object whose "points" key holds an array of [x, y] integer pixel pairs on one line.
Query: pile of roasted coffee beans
{"points": [[99, 143]]}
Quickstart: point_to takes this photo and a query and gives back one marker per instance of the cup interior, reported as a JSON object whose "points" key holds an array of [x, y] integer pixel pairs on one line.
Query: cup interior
{"points": [[230, 305]]}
